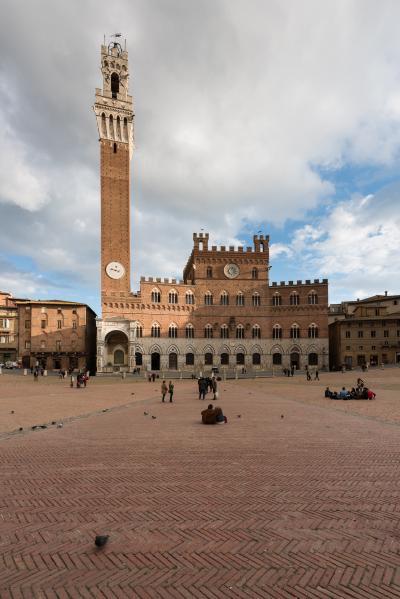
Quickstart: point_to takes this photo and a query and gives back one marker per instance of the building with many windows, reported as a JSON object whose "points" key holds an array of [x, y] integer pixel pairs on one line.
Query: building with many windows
{"points": [[365, 332], [51, 333], [8, 329], [224, 312]]}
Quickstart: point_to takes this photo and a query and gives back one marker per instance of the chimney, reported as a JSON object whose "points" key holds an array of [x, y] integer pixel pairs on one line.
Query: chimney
{"points": [[385, 293]]}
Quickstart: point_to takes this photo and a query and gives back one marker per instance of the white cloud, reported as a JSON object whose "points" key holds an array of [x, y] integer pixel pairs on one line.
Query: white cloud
{"points": [[356, 245], [237, 105]]}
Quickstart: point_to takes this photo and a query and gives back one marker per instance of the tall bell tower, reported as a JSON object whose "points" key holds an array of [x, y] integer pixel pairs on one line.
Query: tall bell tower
{"points": [[114, 114]]}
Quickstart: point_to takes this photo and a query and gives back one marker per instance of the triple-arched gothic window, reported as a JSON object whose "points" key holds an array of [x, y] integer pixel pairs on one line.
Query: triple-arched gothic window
{"points": [[277, 299], [256, 300], [156, 296], [277, 331], [208, 331], [155, 329], [224, 331], [240, 331], [172, 331], [295, 331], [172, 297]]}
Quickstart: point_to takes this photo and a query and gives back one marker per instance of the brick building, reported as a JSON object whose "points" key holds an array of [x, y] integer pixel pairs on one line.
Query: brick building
{"points": [[56, 334], [53, 333], [224, 312], [8, 329], [365, 331]]}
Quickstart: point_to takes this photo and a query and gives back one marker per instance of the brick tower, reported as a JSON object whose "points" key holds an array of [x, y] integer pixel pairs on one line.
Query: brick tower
{"points": [[114, 113]]}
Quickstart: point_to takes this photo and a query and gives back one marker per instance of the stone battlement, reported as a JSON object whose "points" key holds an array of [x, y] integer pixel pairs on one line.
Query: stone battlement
{"points": [[298, 283], [200, 243], [161, 280]]}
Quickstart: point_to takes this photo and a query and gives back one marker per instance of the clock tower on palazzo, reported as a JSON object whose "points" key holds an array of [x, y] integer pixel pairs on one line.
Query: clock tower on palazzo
{"points": [[114, 114]]}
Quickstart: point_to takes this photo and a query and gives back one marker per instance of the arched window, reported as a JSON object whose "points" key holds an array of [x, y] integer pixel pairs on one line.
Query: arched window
{"points": [[208, 331], [208, 359], [224, 331], [240, 299], [103, 125], [114, 84], [155, 296], [256, 300], [209, 272], [276, 359], [172, 297], [189, 330], [125, 129], [277, 331], [172, 331], [277, 299], [313, 359], [256, 359], [295, 331], [256, 331], [312, 298], [224, 359], [138, 331], [254, 273], [240, 331], [155, 330], [189, 359], [189, 297], [313, 331], [208, 298], [118, 127], [111, 126], [240, 359], [224, 299], [294, 299]]}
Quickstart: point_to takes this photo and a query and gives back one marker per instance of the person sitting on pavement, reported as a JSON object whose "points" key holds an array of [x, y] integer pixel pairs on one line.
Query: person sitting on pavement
{"points": [[209, 416], [219, 415], [328, 392], [343, 394], [371, 394]]}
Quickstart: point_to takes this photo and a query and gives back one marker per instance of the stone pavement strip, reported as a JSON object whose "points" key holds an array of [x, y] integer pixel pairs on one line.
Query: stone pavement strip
{"points": [[304, 505]]}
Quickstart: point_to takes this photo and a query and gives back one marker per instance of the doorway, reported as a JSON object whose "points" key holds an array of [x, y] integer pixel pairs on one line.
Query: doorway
{"points": [[155, 361], [295, 360], [173, 361]]}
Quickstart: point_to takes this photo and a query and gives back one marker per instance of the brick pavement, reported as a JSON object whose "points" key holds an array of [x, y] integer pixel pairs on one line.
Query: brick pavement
{"points": [[301, 506]]}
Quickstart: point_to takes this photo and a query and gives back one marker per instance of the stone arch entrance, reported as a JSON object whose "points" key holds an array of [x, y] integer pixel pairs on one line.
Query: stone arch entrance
{"points": [[116, 350]]}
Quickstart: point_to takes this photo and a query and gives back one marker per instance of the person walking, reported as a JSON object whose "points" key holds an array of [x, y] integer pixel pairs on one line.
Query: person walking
{"points": [[316, 377], [170, 391], [214, 387], [164, 390]]}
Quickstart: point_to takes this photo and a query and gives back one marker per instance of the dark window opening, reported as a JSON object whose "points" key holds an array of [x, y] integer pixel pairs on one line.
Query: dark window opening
{"points": [[114, 85]]}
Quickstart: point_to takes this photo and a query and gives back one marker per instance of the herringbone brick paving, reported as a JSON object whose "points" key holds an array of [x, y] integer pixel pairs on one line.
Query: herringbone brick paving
{"points": [[303, 506]]}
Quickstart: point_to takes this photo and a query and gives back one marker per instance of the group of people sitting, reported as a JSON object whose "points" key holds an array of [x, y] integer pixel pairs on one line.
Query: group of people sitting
{"points": [[213, 415], [361, 391]]}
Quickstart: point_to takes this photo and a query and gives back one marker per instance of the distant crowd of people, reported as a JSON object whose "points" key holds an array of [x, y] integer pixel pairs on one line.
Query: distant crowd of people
{"points": [[361, 391]]}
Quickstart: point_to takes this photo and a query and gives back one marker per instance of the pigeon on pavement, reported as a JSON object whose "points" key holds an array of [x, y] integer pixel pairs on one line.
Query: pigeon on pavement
{"points": [[101, 540]]}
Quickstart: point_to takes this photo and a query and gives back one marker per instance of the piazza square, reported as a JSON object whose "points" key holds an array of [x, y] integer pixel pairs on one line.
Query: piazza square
{"points": [[296, 496]]}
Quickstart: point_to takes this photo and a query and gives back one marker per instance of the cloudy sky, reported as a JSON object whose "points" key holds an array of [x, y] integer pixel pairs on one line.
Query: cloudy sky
{"points": [[274, 115]]}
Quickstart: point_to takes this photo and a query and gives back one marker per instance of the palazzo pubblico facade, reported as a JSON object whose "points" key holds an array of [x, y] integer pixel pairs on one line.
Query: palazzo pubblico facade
{"points": [[224, 313]]}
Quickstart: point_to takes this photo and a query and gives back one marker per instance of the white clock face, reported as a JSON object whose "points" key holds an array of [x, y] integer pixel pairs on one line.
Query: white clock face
{"points": [[231, 271], [115, 270]]}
